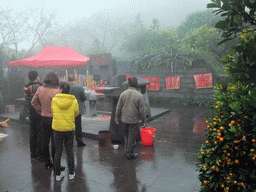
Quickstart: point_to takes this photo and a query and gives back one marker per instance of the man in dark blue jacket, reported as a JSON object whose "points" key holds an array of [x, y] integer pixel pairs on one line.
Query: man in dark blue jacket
{"points": [[78, 92], [35, 129]]}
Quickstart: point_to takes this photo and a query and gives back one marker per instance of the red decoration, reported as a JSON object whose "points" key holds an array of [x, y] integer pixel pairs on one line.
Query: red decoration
{"points": [[172, 82], [155, 83], [203, 80], [128, 76]]}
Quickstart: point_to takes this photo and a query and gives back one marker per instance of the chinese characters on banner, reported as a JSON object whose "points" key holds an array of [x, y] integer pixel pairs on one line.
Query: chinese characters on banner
{"points": [[203, 80], [172, 82], [155, 82]]}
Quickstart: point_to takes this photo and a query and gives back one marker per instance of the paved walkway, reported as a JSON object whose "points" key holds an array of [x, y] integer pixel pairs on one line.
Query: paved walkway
{"points": [[168, 166]]}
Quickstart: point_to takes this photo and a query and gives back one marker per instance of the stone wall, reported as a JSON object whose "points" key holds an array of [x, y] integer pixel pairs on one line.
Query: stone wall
{"points": [[188, 88]]}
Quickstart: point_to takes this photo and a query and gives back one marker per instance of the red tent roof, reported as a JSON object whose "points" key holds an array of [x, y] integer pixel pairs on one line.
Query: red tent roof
{"points": [[52, 56]]}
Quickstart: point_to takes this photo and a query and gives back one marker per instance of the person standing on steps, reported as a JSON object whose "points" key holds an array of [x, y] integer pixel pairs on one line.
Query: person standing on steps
{"points": [[64, 109], [130, 110], [78, 92], [34, 117]]}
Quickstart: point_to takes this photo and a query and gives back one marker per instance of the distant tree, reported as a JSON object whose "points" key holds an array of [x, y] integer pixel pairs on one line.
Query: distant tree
{"points": [[97, 48], [196, 20], [155, 24]]}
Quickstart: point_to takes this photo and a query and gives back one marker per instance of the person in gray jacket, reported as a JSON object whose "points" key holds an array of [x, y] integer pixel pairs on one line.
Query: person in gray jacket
{"points": [[78, 92], [130, 110]]}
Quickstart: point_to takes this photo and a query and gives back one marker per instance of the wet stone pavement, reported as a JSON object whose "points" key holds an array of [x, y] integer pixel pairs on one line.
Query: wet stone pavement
{"points": [[168, 166]]}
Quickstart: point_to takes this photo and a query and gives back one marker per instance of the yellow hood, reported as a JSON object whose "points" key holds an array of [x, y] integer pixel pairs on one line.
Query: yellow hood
{"points": [[64, 101]]}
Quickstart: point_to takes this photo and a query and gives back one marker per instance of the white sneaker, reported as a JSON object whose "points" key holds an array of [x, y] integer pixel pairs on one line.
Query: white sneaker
{"points": [[72, 175], [59, 177]]}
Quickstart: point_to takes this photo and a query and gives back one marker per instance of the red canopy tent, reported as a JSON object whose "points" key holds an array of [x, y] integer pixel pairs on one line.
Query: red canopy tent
{"points": [[53, 56]]}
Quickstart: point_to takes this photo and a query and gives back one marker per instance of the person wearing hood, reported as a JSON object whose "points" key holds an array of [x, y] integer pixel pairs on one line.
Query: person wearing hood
{"points": [[34, 117], [65, 109]]}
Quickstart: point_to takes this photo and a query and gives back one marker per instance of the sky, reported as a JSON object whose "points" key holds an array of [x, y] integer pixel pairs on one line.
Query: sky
{"points": [[119, 9], [170, 13]]}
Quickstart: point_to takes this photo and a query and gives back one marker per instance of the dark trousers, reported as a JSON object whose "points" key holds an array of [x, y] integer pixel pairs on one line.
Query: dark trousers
{"points": [[35, 133], [130, 135], [67, 137], [78, 123], [46, 124]]}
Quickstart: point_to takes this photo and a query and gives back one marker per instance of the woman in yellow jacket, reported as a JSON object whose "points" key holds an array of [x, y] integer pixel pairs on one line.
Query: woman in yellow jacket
{"points": [[64, 109]]}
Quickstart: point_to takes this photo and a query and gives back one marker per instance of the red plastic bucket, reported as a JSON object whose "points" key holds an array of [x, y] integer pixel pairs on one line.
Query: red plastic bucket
{"points": [[147, 136]]}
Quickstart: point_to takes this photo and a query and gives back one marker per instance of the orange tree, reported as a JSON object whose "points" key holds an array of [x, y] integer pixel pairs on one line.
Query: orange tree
{"points": [[227, 159]]}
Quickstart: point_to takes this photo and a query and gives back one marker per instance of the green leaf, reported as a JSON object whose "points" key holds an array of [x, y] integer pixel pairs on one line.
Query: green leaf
{"points": [[213, 5], [221, 25]]}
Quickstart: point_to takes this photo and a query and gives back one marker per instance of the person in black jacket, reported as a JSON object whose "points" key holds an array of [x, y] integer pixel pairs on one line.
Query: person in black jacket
{"points": [[35, 129]]}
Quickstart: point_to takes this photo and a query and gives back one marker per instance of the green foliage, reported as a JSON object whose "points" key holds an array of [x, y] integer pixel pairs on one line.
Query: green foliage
{"points": [[238, 14], [196, 20], [227, 160], [240, 62]]}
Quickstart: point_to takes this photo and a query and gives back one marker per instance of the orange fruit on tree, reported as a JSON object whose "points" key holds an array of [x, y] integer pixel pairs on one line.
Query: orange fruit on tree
{"points": [[228, 177], [206, 141], [208, 126], [205, 182], [236, 147], [253, 140], [221, 128], [228, 154], [239, 125], [232, 122], [252, 150], [219, 134], [236, 161], [242, 184], [203, 152], [217, 102], [238, 120], [222, 186], [238, 188], [244, 139], [207, 121], [222, 116], [218, 137], [253, 158], [246, 117], [215, 123], [224, 151], [227, 146], [213, 149], [217, 107], [214, 129], [221, 139], [220, 161], [235, 182], [227, 188], [213, 167], [204, 166], [215, 142], [244, 152]]}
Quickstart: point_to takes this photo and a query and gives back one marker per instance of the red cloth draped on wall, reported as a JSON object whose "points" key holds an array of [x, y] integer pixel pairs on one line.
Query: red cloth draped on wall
{"points": [[155, 83], [203, 80], [172, 82]]}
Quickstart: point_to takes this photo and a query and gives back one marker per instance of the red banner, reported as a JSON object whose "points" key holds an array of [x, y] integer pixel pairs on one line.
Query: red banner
{"points": [[203, 80], [127, 77], [155, 83], [172, 82]]}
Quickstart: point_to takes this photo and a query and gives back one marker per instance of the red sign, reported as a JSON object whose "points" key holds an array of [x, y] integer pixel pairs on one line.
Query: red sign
{"points": [[172, 82], [101, 59], [203, 80], [127, 77], [155, 83]]}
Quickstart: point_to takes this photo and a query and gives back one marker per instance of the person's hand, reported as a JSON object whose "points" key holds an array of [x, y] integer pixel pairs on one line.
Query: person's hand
{"points": [[2, 124], [116, 120]]}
